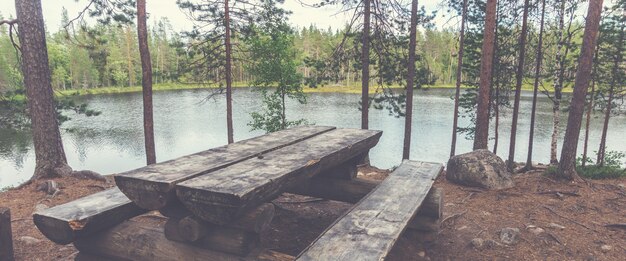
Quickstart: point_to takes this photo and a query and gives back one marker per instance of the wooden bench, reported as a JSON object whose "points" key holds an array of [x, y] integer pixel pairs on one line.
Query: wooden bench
{"points": [[220, 195], [370, 229]]}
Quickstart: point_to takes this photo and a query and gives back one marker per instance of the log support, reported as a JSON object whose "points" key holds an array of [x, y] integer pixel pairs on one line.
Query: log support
{"points": [[132, 240], [222, 239]]}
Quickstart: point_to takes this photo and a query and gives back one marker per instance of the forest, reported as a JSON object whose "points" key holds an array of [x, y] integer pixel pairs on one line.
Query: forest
{"points": [[129, 91]]}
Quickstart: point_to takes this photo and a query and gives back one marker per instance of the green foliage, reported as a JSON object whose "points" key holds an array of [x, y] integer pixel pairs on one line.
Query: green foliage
{"points": [[612, 168], [274, 64]]}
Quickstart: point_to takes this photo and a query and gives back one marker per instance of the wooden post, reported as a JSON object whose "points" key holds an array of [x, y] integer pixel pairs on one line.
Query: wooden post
{"points": [[6, 236]]}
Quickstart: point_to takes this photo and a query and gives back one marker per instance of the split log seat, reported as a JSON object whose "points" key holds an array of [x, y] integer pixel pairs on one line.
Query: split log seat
{"points": [[369, 230]]}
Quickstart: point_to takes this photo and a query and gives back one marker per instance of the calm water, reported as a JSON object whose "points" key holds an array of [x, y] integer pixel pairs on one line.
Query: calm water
{"points": [[113, 141]]}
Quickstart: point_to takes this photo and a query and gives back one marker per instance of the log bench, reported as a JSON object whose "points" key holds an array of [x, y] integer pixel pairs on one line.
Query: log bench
{"points": [[369, 230]]}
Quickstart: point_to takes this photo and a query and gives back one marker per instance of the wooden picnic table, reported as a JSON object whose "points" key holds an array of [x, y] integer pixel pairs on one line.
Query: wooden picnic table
{"points": [[215, 201]]}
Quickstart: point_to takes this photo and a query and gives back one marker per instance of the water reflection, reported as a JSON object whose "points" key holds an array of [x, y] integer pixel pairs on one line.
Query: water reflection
{"points": [[113, 141]]}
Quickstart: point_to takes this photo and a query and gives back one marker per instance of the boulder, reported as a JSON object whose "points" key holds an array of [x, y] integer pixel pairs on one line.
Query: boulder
{"points": [[479, 168]]}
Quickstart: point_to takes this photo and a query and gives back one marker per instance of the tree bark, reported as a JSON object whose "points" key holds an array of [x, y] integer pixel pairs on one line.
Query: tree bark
{"points": [[6, 235], [146, 82], [408, 119], [50, 160], [459, 71], [229, 77], [531, 136], [614, 80], [558, 86], [519, 75], [365, 61], [481, 134], [567, 166]]}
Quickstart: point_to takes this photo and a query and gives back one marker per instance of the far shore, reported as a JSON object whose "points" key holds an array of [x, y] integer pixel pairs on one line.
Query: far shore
{"points": [[331, 88]]}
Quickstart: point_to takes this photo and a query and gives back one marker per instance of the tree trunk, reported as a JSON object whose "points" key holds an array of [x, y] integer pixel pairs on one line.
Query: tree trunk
{"points": [[365, 71], [6, 235], [558, 85], [481, 135], [583, 74], [129, 57], [588, 121], [495, 85], [50, 158], [229, 78], [531, 136], [614, 80], [406, 150], [519, 75], [459, 71], [146, 82]]}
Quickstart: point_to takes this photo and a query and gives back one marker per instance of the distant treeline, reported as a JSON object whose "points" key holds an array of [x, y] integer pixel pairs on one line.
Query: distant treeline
{"points": [[88, 56]]}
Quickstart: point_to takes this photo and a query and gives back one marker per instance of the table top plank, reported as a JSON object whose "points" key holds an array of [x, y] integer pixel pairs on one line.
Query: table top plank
{"points": [[151, 187], [223, 194], [370, 229]]}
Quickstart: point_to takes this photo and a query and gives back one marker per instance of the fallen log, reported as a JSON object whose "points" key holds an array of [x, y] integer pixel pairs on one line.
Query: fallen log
{"points": [[136, 241], [152, 187], [80, 218], [617, 225], [6, 235]]}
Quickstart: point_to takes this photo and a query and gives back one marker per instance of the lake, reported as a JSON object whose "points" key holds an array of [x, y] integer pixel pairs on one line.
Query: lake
{"points": [[185, 123]]}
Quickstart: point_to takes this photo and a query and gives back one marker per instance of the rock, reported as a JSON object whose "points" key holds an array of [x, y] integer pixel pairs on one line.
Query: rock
{"points": [[41, 207], [555, 226], [622, 186], [591, 258], [606, 248], [491, 243], [421, 254], [477, 243], [29, 240], [479, 168], [509, 235], [535, 230]]}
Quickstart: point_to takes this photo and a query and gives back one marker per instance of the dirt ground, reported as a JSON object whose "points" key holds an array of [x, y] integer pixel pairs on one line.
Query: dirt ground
{"points": [[556, 220]]}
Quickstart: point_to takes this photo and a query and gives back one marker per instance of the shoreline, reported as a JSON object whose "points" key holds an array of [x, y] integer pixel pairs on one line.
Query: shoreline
{"points": [[353, 89]]}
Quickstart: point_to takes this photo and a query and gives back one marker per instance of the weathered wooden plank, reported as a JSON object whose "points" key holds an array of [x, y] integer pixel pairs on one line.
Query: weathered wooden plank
{"points": [[133, 240], [6, 235], [151, 187], [352, 191], [370, 229], [223, 195], [77, 219]]}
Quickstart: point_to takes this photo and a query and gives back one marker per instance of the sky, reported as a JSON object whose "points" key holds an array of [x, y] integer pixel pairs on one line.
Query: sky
{"points": [[302, 16]]}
